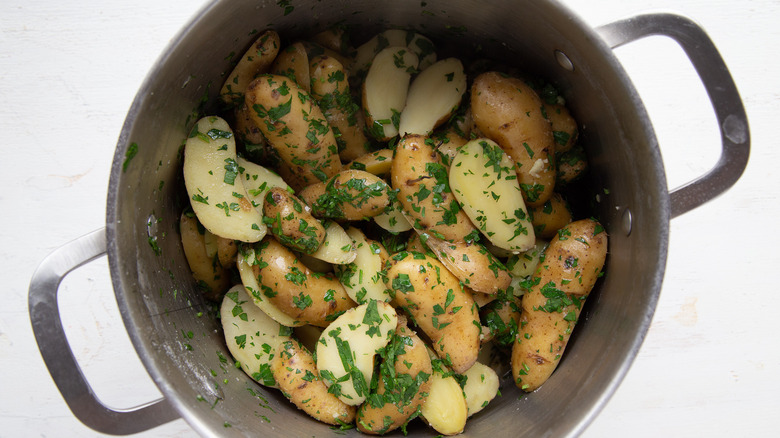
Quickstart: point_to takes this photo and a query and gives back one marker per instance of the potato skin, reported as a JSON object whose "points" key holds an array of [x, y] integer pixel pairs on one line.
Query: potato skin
{"points": [[550, 310], [418, 173], [257, 59], [472, 264], [296, 129], [397, 398], [329, 86], [294, 289], [564, 127], [293, 62], [350, 195], [438, 305], [550, 217], [296, 374], [213, 279], [509, 112], [291, 222]]}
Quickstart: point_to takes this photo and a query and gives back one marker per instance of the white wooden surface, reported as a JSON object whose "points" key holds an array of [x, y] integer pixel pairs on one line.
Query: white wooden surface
{"points": [[709, 365]]}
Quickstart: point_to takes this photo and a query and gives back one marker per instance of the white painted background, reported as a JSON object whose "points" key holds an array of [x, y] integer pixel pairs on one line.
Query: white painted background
{"points": [[709, 366]]}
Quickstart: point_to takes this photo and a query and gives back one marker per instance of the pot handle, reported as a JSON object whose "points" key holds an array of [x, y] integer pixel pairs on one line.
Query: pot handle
{"points": [[725, 99], [58, 356]]}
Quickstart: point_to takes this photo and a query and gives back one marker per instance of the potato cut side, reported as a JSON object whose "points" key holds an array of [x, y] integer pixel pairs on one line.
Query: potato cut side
{"points": [[346, 349], [251, 336], [214, 186], [417, 43], [337, 247], [385, 90], [393, 218], [481, 387], [445, 409], [363, 278], [484, 181], [258, 181], [433, 96], [246, 258]]}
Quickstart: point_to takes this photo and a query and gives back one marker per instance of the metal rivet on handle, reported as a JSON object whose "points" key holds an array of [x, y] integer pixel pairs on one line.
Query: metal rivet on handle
{"points": [[628, 221], [564, 61]]}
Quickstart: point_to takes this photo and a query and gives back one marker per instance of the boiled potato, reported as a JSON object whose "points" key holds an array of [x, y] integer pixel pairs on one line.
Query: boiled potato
{"points": [[291, 222], [385, 90], [293, 62], [471, 263], [258, 180], [296, 128], [245, 262], [563, 125], [415, 42], [295, 290], [216, 192], [393, 218], [295, 371], [483, 179], [509, 112], [523, 265], [403, 384], [252, 337], [550, 217], [329, 86], [338, 248], [257, 59], [433, 97], [572, 264], [346, 349], [363, 278], [350, 195], [571, 166], [377, 162], [481, 387], [438, 305], [213, 279], [424, 190], [445, 409]]}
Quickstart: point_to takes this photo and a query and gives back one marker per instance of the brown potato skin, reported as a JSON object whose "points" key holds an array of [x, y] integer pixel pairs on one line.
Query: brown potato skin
{"points": [[289, 219], [257, 59], [509, 112], [304, 160], [428, 286], [293, 62], [349, 202], [290, 365], [571, 166], [213, 279], [329, 86], [413, 361], [280, 274], [409, 176], [561, 121], [550, 217], [572, 264]]}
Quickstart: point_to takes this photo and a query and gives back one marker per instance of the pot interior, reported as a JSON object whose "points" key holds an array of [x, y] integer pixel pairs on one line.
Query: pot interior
{"points": [[171, 325]]}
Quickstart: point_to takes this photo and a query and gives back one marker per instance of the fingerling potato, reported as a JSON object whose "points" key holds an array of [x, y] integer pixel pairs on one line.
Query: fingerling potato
{"points": [[509, 112]]}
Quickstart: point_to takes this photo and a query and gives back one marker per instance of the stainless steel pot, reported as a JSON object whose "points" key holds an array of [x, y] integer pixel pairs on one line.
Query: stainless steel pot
{"points": [[153, 285]]}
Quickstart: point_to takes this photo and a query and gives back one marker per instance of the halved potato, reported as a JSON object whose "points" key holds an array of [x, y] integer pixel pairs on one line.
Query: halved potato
{"points": [[484, 181], [433, 97], [214, 186], [256, 60], [363, 278], [337, 248], [385, 90], [251, 336]]}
